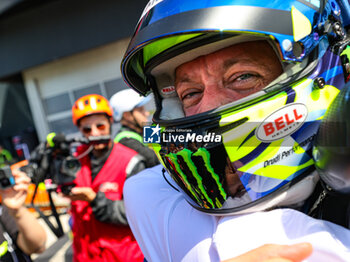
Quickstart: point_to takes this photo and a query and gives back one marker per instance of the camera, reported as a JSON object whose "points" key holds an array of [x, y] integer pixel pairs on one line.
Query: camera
{"points": [[67, 168], [56, 161], [6, 178]]}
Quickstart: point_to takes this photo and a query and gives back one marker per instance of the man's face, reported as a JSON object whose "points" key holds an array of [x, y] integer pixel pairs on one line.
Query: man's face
{"points": [[95, 125], [224, 76], [140, 115]]}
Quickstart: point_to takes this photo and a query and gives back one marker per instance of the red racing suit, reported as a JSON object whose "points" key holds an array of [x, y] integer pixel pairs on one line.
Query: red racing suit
{"points": [[98, 241]]}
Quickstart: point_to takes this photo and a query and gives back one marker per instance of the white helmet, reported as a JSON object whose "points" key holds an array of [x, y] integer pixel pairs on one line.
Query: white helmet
{"points": [[126, 100]]}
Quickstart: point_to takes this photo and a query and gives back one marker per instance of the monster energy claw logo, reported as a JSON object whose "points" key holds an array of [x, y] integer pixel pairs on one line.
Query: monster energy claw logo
{"points": [[209, 194]]}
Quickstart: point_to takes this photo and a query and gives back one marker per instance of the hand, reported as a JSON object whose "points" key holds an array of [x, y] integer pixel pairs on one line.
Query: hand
{"points": [[14, 197], [82, 193], [276, 253]]}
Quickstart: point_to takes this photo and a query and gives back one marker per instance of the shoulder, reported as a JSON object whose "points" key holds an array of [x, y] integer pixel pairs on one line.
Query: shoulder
{"points": [[127, 133], [148, 191], [280, 226], [134, 145], [150, 178], [122, 150], [131, 143], [162, 220], [146, 152]]}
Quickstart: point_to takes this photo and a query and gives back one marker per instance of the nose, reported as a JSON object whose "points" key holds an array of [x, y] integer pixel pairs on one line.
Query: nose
{"points": [[213, 97], [95, 131]]}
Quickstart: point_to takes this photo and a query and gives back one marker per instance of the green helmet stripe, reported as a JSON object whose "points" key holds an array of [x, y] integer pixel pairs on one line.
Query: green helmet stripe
{"points": [[282, 172], [155, 48], [186, 154], [206, 158], [173, 157]]}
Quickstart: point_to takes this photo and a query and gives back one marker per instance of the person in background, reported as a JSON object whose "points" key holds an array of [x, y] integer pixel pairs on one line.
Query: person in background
{"points": [[99, 225], [5, 156], [254, 78], [129, 109], [20, 232]]}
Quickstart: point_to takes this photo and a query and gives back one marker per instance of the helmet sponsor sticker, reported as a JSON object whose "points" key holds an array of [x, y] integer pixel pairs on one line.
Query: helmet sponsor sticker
{"points": [[282, 122], [169, 90], [289, 153]]}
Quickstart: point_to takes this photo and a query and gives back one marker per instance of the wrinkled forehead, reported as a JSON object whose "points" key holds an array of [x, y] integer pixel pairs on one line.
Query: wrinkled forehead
{"points": [[164, 73], [250, 53]]}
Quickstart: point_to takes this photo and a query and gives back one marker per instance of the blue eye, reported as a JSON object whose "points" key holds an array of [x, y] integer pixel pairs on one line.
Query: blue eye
{"points": [[189, 95], [244, 76]]}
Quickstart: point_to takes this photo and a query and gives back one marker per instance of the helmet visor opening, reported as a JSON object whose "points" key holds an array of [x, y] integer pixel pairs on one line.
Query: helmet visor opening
{"points": [[164, 76]]}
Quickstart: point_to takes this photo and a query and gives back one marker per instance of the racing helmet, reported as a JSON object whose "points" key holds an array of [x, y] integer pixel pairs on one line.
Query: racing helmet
{"points": [[244, 154], [89, 105], [126, 100], [331, 150]]}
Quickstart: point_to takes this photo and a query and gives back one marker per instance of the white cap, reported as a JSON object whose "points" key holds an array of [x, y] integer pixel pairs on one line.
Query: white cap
{"points": [[125, 101]]}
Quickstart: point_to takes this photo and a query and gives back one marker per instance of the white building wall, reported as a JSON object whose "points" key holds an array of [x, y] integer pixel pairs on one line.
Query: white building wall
{"points": [[53, 87]]}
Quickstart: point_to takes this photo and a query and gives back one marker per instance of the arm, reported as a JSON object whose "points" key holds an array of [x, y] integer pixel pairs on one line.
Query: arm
{"points": [[113, 211], [109, 211], [105, 209], [31, 235]]}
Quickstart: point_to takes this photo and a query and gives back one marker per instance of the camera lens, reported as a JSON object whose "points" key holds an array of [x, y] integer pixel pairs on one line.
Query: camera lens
{"points": [[5, 182]]}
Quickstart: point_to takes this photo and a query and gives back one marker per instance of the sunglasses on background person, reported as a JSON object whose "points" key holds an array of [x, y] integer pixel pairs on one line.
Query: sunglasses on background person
{"points": [[87, 129]]}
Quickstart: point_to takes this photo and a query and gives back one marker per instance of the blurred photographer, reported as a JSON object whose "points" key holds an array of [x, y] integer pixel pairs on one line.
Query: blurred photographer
{"points": [[129, 109], [20, 232], [100, 227]]}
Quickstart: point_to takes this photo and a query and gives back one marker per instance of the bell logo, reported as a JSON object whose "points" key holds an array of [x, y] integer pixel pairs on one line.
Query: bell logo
{"points": [[282, 123], [169, 90]]}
